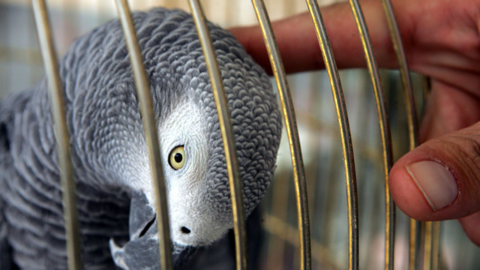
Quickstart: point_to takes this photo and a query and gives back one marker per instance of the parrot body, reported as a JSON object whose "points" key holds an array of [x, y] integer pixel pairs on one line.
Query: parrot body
{"points": [[114, 191]]}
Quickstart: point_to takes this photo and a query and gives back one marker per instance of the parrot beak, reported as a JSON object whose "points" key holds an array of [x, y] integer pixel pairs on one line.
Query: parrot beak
{"points": [[142, 216], [142, 251]]}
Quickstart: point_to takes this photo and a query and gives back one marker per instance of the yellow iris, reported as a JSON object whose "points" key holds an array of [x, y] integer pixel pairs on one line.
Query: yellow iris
{"points": [[177, 158]]}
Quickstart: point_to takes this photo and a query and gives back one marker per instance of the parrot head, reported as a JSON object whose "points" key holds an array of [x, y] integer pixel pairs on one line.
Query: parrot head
{"points": [[110, 147]]}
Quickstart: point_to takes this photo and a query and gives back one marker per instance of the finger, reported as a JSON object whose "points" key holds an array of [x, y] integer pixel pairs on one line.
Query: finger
{"points": [[299, 46], [448, 110], [293, 35], [441, 178], [471, 225]]}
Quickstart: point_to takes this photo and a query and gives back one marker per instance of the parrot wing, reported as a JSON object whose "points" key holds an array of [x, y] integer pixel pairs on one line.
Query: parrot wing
{"points": [[6, 262]]}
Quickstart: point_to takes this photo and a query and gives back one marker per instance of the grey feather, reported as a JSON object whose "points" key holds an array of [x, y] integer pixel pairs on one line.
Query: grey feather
{"points": [[107, 137]]}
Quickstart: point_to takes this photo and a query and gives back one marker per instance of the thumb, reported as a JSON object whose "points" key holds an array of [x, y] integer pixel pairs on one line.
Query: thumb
{"points": [[440, 179]]}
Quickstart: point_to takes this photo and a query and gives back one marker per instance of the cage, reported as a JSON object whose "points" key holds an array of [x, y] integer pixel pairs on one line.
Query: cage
{"points": [[326, 243]]}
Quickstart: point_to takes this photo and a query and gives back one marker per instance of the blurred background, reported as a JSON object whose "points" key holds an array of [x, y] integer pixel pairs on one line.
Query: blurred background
{"points": [[21, 67]]}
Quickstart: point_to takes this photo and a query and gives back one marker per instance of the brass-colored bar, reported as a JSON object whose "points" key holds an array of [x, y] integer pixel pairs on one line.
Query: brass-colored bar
{"points": [[329, 211], [227, 134], [431, 236], [280, 197], [57, 103], [149, 123], [427, 246], [436, 245], [414, 240], [384, 129], [411, 112], [342, 117], [404, 72], [292, 132]]}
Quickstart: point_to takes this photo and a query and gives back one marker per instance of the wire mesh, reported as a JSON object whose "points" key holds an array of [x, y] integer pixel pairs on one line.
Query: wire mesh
{"points": [[315, 124]]}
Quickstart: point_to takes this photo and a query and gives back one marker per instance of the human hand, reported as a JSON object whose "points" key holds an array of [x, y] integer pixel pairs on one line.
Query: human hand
{"points": [[440, 179]]}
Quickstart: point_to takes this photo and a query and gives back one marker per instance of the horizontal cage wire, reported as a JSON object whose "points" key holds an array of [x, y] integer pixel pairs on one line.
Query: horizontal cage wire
{"points": [[308, 220]]}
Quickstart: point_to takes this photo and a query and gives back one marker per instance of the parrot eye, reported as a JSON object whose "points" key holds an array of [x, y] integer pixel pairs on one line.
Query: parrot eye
{"points": [[176, 159]]}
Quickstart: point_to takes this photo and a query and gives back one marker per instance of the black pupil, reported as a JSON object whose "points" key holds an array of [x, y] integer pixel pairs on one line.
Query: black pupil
{"points": [[178, 157]]}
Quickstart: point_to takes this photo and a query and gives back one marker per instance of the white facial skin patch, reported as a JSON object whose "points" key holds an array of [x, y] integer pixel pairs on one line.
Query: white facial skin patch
{"points": [[190, 221]]}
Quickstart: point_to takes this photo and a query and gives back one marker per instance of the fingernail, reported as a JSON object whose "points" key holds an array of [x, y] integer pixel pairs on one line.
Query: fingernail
{"points": [[436, 182]]}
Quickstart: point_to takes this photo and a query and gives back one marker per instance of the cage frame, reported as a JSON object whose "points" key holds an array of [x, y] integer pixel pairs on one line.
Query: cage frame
{"points": [[424, 236]]}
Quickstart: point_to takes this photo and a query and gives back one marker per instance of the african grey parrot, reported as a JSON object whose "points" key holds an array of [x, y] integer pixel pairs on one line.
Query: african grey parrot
{"points": [[115, 199]]}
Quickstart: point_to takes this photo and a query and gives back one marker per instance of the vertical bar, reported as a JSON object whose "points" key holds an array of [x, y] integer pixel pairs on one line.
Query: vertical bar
{"points": [[431, 243], [427, 246], [404, 72], [436, 245], [148, 116], [276, 249], [342, 117], [414, 238], [327, 228], [411, 115], [227, 134], [292, 132], [428, 239], [384, 129], [61, 131]]}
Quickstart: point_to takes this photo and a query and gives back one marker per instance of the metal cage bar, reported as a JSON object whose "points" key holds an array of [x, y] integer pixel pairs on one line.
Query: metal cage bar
{"points": [[428, 242], [148, 117], [404, 72], [384, 130], [414, 240], [57, 104], [427, 245], [431, 236], [411, 113], [342, 117], [227, 134], [436, 245], [292, 132], [276, 248]]}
